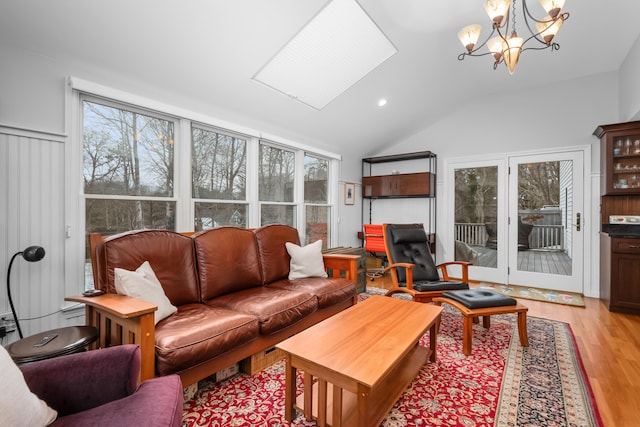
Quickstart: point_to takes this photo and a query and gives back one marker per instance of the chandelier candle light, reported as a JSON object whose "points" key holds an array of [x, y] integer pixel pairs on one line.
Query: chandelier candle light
{"points": [[503, 42]]}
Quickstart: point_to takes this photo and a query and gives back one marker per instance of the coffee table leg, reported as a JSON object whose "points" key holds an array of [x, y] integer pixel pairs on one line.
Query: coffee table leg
{"points": [[336, 420], [308, 397], [290, 390], [322, 403]]}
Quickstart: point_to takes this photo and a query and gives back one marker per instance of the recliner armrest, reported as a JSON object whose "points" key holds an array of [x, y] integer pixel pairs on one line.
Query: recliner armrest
{"points": [[463, 264]]}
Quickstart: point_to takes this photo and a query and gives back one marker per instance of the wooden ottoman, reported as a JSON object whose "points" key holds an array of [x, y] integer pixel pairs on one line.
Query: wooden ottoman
{"points": [[474, 303]]}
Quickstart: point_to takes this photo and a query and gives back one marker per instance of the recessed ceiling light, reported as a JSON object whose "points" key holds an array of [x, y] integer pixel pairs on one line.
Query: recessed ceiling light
{"points": [[382, 102], [339, 46]]}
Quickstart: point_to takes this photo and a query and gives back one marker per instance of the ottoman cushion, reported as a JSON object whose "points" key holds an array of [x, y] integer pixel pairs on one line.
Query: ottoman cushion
{"points": [[479, 298]]}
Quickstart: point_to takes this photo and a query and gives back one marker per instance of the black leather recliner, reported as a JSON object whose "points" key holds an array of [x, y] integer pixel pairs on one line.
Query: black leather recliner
{"points": [[412, 267]]}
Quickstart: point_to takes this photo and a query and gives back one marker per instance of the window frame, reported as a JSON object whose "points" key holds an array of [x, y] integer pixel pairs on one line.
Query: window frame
{"points": [[78, 89]]}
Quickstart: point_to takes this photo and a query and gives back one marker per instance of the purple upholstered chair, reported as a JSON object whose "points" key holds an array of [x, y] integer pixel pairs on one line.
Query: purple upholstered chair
{"points": [[100, 388]]}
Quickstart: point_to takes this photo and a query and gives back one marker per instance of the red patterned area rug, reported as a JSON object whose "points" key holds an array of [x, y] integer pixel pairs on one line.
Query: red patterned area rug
{"points": [[500, 384]]}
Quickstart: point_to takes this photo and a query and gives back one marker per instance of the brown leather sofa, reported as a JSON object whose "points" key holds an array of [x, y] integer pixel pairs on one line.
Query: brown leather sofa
{"points": [[232, 292]]}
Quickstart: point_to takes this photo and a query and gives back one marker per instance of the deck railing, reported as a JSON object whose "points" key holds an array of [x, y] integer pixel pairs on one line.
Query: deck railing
{"points": [[549, 237]]}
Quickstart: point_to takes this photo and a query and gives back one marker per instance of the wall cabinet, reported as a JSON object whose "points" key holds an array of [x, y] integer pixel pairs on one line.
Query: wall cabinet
{"points": [[620, 158], [620, 195], [399, 185], [620, 273]]}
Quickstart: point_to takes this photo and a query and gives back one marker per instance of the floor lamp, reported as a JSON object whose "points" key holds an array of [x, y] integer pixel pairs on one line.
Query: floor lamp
{"points": [[31, 254]]}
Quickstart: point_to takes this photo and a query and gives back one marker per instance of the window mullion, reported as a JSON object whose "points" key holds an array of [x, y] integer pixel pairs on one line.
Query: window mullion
{"points": [[182, 177]]}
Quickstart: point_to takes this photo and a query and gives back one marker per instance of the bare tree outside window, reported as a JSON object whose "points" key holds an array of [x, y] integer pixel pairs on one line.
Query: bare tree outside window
{"points": [[276, 177], [316, 199], [218, 172], [130, 155]]}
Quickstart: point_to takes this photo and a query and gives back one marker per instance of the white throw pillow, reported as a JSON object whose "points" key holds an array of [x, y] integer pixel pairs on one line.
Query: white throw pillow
{"points": [[306, 261], [144, 284], [18, 405]]}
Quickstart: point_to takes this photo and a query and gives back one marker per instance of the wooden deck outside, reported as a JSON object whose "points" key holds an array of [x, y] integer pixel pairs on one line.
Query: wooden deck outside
{"points": [[534, 260]]}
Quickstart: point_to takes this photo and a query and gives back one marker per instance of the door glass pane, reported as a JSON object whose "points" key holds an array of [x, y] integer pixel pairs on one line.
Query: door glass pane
{"points": [[545, 209], [475, 222]]}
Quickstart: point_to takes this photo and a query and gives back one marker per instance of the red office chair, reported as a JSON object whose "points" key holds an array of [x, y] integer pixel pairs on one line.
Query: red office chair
{"points": [[374, 245]]}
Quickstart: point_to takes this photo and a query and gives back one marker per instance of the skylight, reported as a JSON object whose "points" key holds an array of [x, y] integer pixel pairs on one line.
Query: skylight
{"points": [[339, 46]]}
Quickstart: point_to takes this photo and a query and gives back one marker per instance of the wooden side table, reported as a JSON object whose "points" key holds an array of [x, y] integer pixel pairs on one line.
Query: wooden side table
{"points": [[53, 343]]}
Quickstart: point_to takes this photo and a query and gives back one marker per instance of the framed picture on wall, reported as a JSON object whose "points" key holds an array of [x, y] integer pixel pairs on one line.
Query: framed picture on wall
{"points": [[349, 193]]}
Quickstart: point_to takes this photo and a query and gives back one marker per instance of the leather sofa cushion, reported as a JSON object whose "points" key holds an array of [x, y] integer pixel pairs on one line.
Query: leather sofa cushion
{"points": [[328, 291], [274, 258], [197, 333], [227, 261], [275, 308], [170, 255]]}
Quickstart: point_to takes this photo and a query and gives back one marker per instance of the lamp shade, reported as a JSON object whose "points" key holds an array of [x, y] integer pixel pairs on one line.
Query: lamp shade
{"points": [[512, 51], [495, 46], [469, 36], [552, 7], [33, 253], [497, 11], [549, 28]]}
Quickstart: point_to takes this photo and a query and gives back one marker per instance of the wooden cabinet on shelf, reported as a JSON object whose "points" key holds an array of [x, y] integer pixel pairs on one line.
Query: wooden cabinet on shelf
{"points": [[620, 158], [419, 184], [620, 273]]}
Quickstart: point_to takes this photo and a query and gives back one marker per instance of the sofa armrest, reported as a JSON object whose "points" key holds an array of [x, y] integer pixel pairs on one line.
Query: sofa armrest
{"points": [[123, 320], [82, 381], [339, 263]]}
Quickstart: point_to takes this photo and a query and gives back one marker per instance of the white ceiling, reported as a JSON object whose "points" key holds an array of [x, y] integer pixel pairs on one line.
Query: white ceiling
{"points": [[205, 52]]}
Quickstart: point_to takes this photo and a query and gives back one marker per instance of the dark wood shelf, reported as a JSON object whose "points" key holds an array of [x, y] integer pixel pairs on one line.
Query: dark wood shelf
{"points": [[400, 157]]}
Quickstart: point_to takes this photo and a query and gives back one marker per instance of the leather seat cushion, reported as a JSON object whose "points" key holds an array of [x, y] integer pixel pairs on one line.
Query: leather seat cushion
{"points": [[197, 333], [439, 285], [328, 291], [480, 298], [275, 308]]}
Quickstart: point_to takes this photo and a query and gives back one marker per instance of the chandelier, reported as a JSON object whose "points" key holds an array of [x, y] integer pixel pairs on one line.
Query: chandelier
{"points": [[503, 42]]}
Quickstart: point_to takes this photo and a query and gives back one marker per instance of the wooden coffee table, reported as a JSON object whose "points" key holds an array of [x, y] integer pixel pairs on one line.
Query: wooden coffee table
{"points": [[370, 351]]}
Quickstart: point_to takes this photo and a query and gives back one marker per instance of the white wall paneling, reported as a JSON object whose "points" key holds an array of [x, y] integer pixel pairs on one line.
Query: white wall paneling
{"points": [[32, 213]]}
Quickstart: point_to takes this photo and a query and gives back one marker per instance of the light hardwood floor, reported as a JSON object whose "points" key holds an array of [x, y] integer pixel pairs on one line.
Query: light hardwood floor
{"points": [[609, 345]]}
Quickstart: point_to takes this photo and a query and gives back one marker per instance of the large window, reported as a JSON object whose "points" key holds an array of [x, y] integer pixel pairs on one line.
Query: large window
{"points": [[219, 179], [276, 178], [143, 168], [316, 199], [128, 164]]}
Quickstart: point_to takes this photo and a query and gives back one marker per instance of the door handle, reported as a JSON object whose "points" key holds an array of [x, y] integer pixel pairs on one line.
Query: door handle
{"points": [[577, 225]]}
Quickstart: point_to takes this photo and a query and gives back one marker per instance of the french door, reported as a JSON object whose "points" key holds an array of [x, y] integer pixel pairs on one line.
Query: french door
{"points": [[546, 211], [518, 219]]}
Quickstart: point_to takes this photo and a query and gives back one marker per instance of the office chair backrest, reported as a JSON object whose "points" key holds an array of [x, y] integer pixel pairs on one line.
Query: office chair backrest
{"points": [[408, 243], [373, 238]]}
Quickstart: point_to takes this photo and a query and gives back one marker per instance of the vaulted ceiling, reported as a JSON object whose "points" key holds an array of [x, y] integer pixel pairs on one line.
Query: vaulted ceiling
{"points": [[204, 53]]}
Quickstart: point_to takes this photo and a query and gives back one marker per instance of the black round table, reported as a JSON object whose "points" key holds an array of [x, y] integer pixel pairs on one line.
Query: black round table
{"points": [[53, 343]]}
